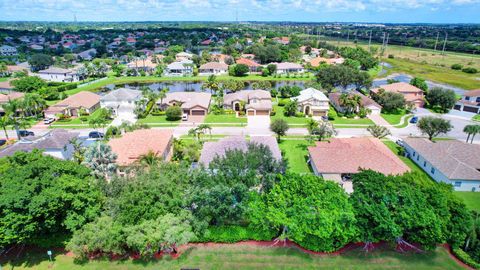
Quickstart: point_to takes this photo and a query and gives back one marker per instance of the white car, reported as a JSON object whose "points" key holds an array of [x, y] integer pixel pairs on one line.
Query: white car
{"points": [[184, 117], [48, 121]]}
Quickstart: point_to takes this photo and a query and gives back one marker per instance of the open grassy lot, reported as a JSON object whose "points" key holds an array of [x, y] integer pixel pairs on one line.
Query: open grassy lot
{"points": [[471, 199], [296, 154], [224, 118], [158, 120], [251, 257]]}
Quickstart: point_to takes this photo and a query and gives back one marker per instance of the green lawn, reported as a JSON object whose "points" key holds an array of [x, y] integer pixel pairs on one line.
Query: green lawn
{"points": [[351, 121], [290, 119], [398, 151], [4, 79], [393, 118], [224, 118], [296, 154], [405, 123], [76, 121], [250, 257], [471, 199], [158, 120], [476, 118]]}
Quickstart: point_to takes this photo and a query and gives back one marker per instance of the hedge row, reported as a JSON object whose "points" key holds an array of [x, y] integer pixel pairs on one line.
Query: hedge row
{"points": [[464, 257], [233, 234]]}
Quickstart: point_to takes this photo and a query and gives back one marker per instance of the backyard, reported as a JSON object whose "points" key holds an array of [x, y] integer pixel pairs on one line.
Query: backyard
{"points": [[471, 199], [296, 153], [397, 150], [242, 256]]}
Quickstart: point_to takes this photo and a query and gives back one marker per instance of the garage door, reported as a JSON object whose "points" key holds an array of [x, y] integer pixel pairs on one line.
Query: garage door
{"points": [[319, 113], [198, 112], [250, 113], [470, 109], [457, 107], [259, 112]]}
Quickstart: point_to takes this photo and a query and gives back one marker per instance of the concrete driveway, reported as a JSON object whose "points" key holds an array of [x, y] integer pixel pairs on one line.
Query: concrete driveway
{"points": [[258, 125]]}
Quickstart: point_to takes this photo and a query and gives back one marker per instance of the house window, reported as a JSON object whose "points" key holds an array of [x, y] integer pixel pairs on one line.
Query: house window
{"points": [[414, 153], [478, 99], [458, 184], [418, 158], [432, 170], [424, 164], [467, 98]]}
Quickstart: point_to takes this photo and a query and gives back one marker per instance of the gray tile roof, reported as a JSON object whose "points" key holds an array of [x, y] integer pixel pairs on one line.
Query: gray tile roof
{"points": [[455, 159], [56, 139], [264, 99], [212, 149], [189, 99], [122, 94]]}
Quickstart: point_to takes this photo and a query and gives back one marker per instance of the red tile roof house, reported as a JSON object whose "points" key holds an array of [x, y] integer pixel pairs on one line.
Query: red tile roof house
{"points": [[213, 68], [257, 102], [71, 105], [252, 65], [470, 102], [132, 145], [365, 101], [412, 94], [9, 95], [192, 103], [339, 158]]}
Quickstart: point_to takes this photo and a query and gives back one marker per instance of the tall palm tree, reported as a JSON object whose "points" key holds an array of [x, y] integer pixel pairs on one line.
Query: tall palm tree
{"points": [[149, 159], [212, 84], [12, 108], [469, 129], [33, 104], [4, 123], [476, 130]]}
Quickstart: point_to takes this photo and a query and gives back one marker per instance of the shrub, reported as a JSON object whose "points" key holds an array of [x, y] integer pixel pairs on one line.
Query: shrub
{"points": [[283, 102], [470, 70], [233, 234], [391, 56], [299, 114], [229, 111], [83, 118], [464, 257], [273, 112], [157, 113], [173, 113], [457, 66]]}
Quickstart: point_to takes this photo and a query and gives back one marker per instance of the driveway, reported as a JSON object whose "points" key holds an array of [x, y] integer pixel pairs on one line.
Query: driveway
{"points": [[124, 117], [378, 120], [258, 125]]}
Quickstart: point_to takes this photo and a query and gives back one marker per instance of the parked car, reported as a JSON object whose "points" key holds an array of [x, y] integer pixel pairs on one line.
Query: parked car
{"points": [[26, 133], [48, 121], [399, 142], [414, 120], [184, 117], [3, 142], [95, 135]]}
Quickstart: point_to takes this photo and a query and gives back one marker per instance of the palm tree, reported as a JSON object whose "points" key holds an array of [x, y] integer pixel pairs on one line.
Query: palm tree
{"points": [[469, 129], [163, 94], [212, 84], [33, 104], [100, 158], [11, 108], [476, 130], [149, 159], [4, 123]]}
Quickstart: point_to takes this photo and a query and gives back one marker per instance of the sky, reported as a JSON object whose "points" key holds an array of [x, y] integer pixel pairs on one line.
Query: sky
{"points": [[382, 11]]}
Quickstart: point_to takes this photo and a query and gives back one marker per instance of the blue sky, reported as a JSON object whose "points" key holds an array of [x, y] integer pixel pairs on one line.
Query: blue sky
{"points": [[404, 11]]}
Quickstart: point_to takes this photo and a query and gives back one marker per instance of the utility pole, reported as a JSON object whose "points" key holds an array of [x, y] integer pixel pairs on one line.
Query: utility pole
{"points": [[444, 43], [436, 41]]}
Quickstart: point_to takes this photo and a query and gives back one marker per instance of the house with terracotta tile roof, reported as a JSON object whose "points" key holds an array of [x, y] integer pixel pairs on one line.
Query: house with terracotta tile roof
{"points": [[71, 106], [182, 56], [132, 145], [6, 85], [213, 68], [339, 158], [413, 95], [192, 103], [453, 162], [315, 62], [8, 95], [252, 65], [211, 150], [282, 40], [257, 102], [147, 64], [365, 102], [470, 102]]}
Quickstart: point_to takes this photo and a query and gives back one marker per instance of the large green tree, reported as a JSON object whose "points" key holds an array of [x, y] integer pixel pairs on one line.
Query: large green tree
{"points": [[40, 61], [434, 126], [441, 99], [28, 84]]}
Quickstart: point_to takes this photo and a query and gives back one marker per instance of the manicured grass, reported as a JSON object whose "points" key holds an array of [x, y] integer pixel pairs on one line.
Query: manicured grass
{"points": [[405, 122], [158, 120], [471, 199], [393, 118], [289, 119], [351, 121], [373, 72], [76, 121], [4, 79], [296, 154], [476, 118], [225, 118], [397, 150], [251, 257]]}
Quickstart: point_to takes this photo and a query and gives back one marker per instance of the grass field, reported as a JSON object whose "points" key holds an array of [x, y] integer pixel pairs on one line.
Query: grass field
{"points": [[471, 199], [393, 118], [291, 119], [225, 118], [252, 257], [351, 121], [296, 154], [158, 120]]}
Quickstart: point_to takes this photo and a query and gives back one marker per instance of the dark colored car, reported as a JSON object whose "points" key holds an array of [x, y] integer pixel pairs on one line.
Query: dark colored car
{"points": [[414, 120], [95, 135], [3, 142], [26, 133]]}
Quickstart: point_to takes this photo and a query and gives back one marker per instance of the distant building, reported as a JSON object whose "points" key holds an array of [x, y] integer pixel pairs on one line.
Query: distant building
{"points": [[252, 65], [312, 102], [213, 68], [146, 64], [71, 106], [286, 67], [365, 102], [182, 68], [88, 54], [452, 162], [36, 47], [413, 95], [122, 103], [182, 56], [6, 50], [257, 102], [470, 102], [55, 74], [192, 103]]}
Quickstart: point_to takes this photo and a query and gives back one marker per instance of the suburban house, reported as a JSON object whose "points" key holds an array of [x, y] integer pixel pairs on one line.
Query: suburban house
{"points": [[339, 158], [211, 150], [252, 65], [192, 103], [312, 102], [16, 68], [183, 68], [71, 106], [213, 68], [315, 62], [8, 95], [182, 56], [287, 67], [56, 143], [55, 74], [122, 102], [452, 162], [257, 102], [88, 54], [222, 58], [6, 86], [470, 102], [146, 65], [282, 40], [133, 145], [412, 94], [365, 102], [6, 50]]}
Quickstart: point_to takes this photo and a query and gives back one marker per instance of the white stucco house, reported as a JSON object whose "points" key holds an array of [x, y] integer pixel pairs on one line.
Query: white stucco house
{"points": [[312, 102], [452, 162], [54, 74], [213, 68], [182, 68], [287, 67], [122, 104], [6, 50]]}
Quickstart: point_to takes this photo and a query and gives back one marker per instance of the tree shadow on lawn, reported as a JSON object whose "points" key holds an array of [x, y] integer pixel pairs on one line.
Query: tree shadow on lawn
{"points": [[29, 256]]}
